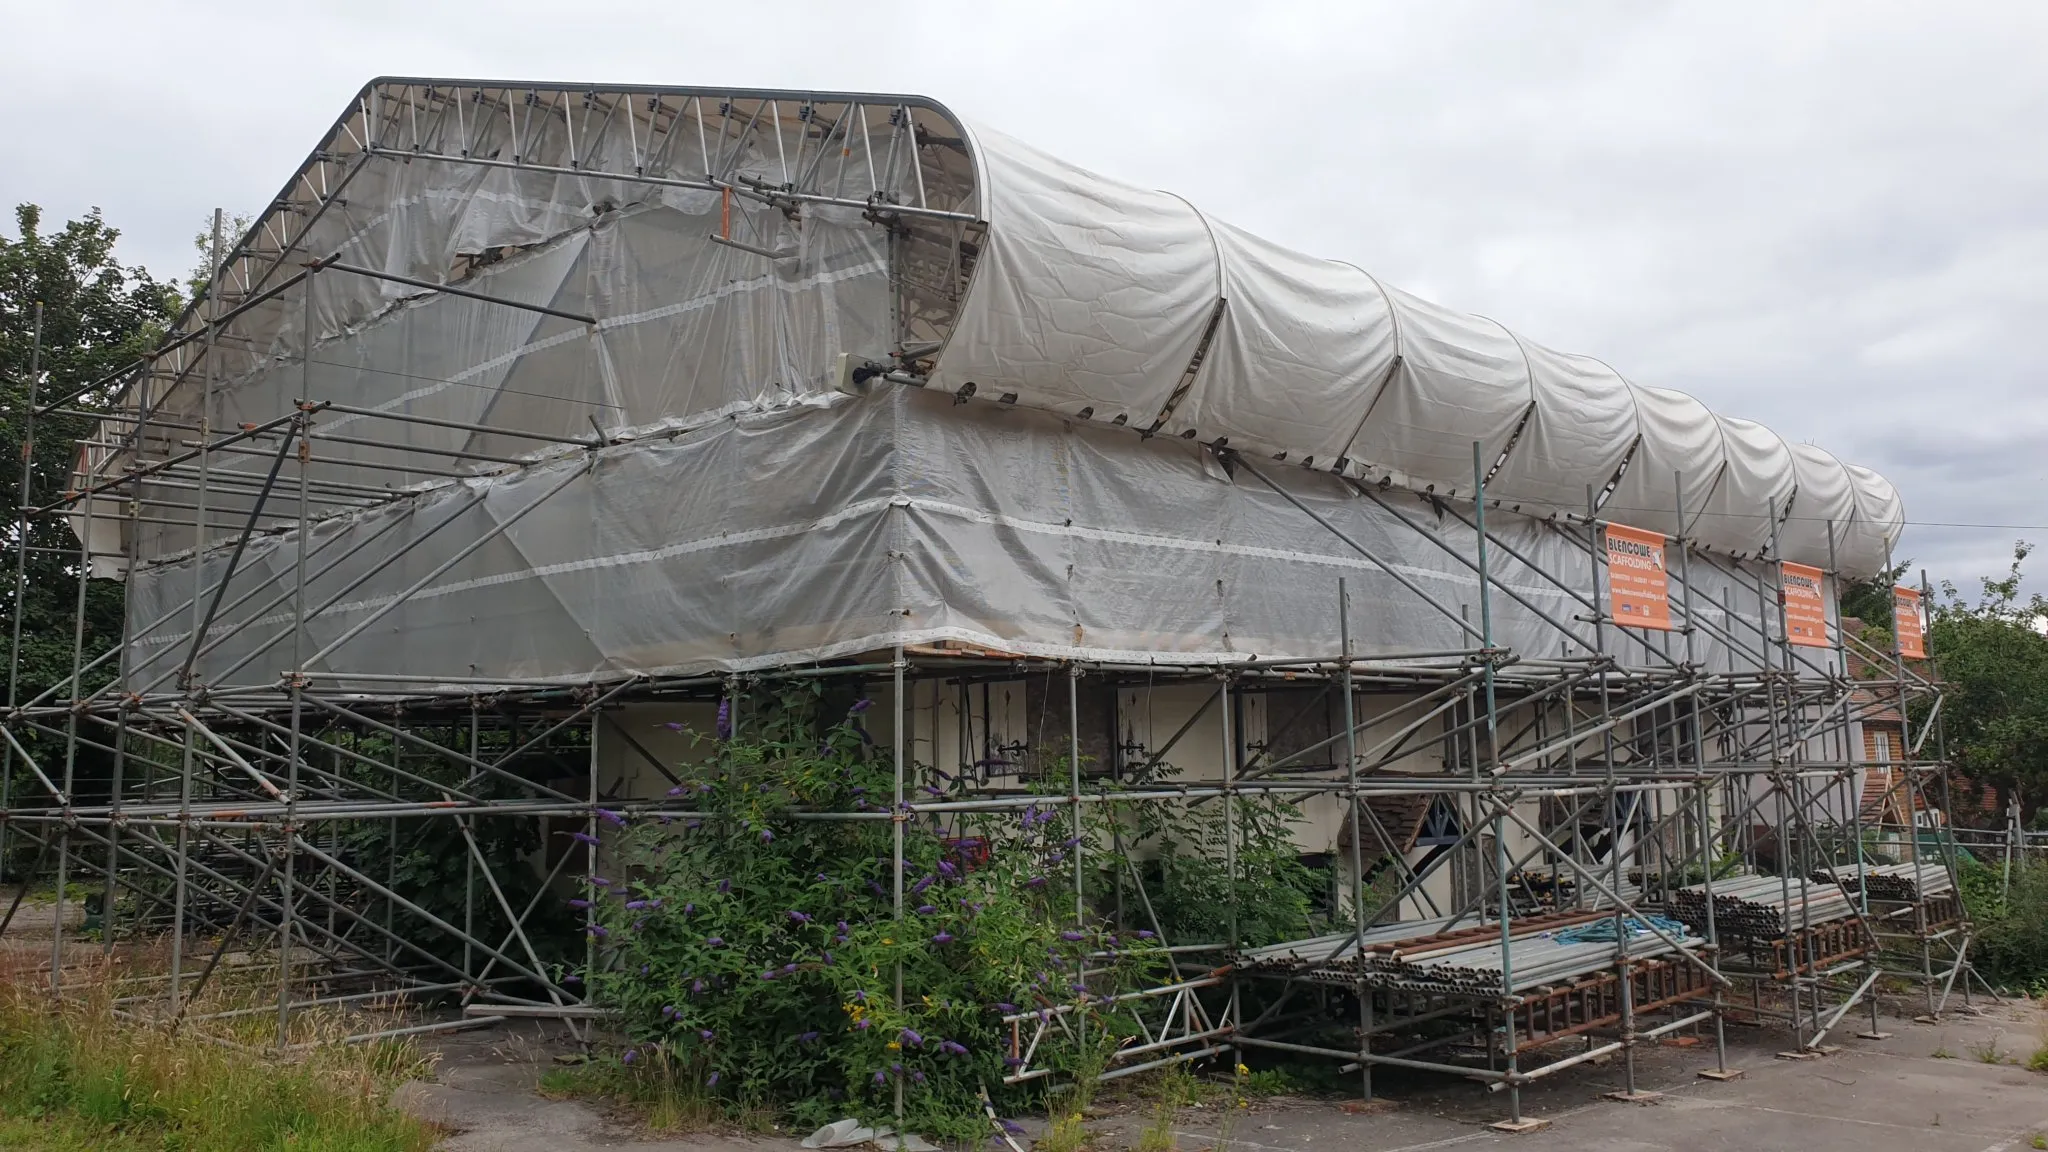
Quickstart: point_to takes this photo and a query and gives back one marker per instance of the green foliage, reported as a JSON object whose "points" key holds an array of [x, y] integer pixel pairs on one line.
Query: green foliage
{"points": [[1188, 873], [1870, 600], [2011, 946], [755, 953], [1993, 659], [428, 862], [98, 316]]}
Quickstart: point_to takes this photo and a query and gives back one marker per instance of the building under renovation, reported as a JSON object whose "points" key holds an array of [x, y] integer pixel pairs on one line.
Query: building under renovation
{"points": [[529, 422]]}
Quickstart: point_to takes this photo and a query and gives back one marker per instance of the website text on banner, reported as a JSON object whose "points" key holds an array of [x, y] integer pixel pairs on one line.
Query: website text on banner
{"points": [[1806, 609], [1907, 624], [1638, 595]]}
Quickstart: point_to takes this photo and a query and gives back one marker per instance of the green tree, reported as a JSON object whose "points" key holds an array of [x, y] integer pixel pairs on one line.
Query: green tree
{"points": [[1993, 658], [97, 316], [1870, 599]]}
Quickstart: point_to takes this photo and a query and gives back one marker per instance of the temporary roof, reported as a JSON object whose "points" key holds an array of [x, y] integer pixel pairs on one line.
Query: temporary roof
{"points": [[1064, 290]]}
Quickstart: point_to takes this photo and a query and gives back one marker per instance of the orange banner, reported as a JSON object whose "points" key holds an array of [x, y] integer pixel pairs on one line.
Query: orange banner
{"points": [[1907, 623], [1638, 595], [1806, 605]]}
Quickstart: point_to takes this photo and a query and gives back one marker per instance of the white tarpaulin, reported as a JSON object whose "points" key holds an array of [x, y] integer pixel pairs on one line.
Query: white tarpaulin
{"points": [[744, 513]]}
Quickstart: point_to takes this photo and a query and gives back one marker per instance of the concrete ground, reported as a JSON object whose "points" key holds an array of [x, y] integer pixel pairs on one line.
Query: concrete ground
{"points": [[1930, 1087]]}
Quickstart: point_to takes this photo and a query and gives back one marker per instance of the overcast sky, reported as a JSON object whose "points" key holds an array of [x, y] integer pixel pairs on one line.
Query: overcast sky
{"points": [[1831, 217]]}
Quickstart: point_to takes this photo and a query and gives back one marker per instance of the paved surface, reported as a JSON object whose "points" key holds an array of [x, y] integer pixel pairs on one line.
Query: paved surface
{"points": [[1872, 1096]]}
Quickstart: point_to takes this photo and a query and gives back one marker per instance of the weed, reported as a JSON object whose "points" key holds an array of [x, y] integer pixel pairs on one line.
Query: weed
{"points": [[1941, 1052], [77, 1078], [2039, 1141], [1177, 1088], [1987, 1052]]}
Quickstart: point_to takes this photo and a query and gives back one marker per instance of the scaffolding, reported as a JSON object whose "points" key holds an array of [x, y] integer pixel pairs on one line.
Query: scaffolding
{"points": [[1618, 840]]}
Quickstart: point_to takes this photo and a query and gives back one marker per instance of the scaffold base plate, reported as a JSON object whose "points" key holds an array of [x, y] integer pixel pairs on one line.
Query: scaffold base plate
{"points": [[1525, 1124], [1721, 1074], [1639, 1096]]}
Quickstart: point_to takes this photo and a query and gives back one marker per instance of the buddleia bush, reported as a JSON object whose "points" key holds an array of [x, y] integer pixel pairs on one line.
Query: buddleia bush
{"points": [[754, 949]]}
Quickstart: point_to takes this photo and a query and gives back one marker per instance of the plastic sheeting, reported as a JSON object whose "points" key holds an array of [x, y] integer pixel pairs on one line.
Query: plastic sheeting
{"points": [[746, 514], [845, 526], [1317, 363]]}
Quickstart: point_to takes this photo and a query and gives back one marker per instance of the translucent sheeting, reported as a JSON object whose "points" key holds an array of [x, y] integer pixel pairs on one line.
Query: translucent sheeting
{"points": [[844, 526], [869, 225]]}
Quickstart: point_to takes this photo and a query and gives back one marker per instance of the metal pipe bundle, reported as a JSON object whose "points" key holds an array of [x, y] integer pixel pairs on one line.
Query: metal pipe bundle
{"points": [[1762, 907], [1903, 883], [1418, 955]]}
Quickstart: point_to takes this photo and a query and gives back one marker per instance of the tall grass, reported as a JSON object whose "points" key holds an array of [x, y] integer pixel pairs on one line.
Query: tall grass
{"points": [[77, 1077]]}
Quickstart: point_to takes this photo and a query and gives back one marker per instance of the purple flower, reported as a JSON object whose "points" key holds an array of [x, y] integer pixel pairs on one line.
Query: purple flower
{"points": [[788, 968], [1005, 1008], [597, 930], [1070, 936], [692, 825], [946, 866], [668, 1011], [600, 881], [725, 719], [689, 909], [1035, 882], [706, 1035], [711, 1081], [579, 902], [919, 887], [807, 1038], [673, 726], [612, 817], [583, 837], [1011, 1062], [635, 905], [630, 1056], [880, 1078], [1071, 841], [767, 837], [917, 1076], [768, 975], [943, 938], [1011, 1126], [931, 790], [1145, 933], [828, 958], [724, 886], [952, 1048], [863, 1024], [925, 909], [896, 1068], [800, 917], [696, 987], [714, 942], [823, 879], [676, 791], [861, 705], [909, 1038]]}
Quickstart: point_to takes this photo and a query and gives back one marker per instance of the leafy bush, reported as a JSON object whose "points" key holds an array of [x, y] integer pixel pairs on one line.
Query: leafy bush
{"points": [[755, 950], [2012, 934]]}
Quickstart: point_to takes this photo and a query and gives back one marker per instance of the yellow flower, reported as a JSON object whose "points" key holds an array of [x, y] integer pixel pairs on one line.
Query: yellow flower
{"points": [[895, 1045], [1243, 1071]]}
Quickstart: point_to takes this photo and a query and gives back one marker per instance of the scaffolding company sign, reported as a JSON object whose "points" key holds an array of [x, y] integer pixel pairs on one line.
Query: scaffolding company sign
{"points": [[1907, 623], [1638, 594], [1806, 608]]}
